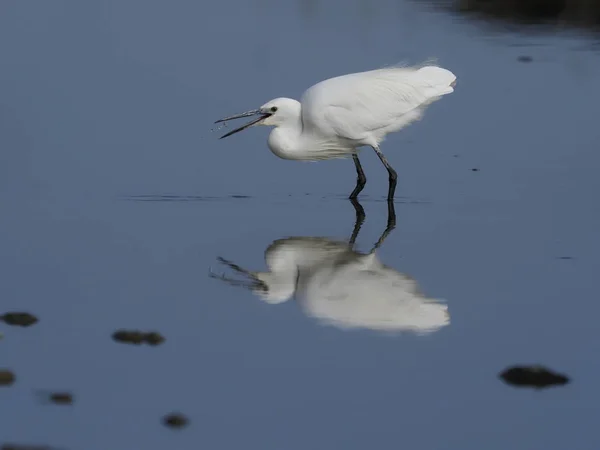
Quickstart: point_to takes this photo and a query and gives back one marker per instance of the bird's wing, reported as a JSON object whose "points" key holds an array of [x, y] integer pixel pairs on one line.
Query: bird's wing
{"points": [[355, 105]]}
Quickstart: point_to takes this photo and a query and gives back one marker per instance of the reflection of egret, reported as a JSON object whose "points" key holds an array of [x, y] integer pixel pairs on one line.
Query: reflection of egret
{"points": [[342, 287]]}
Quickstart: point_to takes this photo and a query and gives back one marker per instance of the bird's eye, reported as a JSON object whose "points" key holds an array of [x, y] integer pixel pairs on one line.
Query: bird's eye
{"points": [[273, 108]]}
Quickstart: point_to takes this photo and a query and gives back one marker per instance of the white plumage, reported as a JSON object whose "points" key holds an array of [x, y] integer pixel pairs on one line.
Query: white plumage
{"points": [[339, 115], [362, 108]]}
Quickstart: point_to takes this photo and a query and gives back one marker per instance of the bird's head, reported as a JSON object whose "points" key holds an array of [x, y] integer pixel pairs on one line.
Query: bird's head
{"points": [[273, 113]]}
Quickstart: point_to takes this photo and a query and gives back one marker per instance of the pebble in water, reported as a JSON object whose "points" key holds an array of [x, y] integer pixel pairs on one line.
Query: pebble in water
{"points": [[154, 338], [6, 377], [61, 398], [535, 376], [175, 420], [138, 337], [20, 319], [58, 398]]}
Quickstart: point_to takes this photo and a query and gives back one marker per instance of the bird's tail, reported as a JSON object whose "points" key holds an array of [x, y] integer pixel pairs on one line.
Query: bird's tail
{"points": [[437, 81]]}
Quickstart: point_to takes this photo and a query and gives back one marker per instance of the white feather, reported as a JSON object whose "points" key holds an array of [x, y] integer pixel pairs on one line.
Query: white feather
{"points": [[363, 107]]}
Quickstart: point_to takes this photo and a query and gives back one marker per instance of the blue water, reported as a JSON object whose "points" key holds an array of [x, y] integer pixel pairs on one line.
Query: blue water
{"points": [[106, 104]]}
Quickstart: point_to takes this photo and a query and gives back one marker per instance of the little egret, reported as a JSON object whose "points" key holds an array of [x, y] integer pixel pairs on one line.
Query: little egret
{"points": [[337, 116]]}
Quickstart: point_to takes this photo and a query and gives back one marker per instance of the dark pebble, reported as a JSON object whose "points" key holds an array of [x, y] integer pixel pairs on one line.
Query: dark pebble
{"points": [[6, 378], [129, 337], [154, 338], [475, 169], [565, 257], [525, 59], [61, 398], [533, 376], [138, 337], [175, 420], [20, 319]]}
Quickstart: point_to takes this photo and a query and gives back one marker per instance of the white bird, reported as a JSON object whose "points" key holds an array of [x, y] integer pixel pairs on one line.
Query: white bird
{"points": [[338, 116]]}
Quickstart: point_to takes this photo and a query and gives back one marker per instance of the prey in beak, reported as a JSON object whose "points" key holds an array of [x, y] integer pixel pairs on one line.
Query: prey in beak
{"points": [[254, 112]]}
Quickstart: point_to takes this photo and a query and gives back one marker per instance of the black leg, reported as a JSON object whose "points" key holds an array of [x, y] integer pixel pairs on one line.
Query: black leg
{"points": [[392, 173], [360, 218], [361, 178]]}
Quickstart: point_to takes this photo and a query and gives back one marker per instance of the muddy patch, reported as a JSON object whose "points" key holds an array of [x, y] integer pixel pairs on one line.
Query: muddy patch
{"points": [[57, 398], [537, 377], [175, 420], [19, 319], [136, 337], [7, 378]]}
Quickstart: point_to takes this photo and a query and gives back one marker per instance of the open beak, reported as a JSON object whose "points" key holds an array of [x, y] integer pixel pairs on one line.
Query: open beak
{"points": [[254, 112]]}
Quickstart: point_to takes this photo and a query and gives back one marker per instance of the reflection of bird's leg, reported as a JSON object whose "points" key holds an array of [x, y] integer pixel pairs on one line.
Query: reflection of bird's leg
{"points": [[361, 180], [360, 218], [391, 224], [392, 173]]}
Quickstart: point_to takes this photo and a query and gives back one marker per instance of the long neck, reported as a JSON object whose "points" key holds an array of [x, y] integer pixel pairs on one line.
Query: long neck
{"points": [[285, 140]]}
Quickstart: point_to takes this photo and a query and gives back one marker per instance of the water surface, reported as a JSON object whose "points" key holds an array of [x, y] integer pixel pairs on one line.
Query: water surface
{"points": [[117, 199]]}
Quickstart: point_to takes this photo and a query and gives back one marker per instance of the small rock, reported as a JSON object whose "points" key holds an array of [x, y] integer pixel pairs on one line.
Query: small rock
{"points": [[20, 319], [138, 337], [58, 398], [154, 338], [175, 420], [61, 398], [533, 376], [6, 377], [129, 337], [525, 59], [475, 169], [565, 257]]}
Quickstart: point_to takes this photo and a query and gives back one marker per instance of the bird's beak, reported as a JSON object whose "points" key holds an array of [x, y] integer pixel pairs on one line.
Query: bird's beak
{"points": [[254, 112]]}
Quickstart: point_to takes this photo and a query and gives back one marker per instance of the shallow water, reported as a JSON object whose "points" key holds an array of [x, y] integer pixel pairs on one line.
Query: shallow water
{"points": [[117, 200]]}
